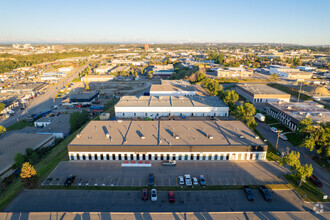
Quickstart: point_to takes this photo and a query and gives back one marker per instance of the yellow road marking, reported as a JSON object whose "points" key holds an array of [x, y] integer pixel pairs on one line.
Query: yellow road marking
{"points": [[235, 181], [195, 164], [227, 181], [111, 181], [249, 180], [213, 164], [220, 181], [132, 181], [270, 180]]}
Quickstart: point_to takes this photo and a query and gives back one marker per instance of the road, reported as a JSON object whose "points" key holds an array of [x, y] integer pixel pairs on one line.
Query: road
{"points": [[45, 101], [305, 155], [130, 201]]}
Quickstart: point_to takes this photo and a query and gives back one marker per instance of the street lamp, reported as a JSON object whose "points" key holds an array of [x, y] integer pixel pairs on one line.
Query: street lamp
{"points": [[278, 135]]}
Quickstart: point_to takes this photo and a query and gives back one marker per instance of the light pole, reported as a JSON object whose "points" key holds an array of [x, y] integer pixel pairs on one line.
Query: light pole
{"points": [[278, 135], [299, 91]]}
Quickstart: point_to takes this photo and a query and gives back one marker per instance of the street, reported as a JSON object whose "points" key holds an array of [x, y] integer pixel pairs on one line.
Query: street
{"points": [[43, 102], [305, 155]]}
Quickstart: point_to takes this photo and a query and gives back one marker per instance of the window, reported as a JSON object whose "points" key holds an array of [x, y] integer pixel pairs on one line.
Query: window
{"points": [[174, 157], [113, 156], [191, 156], [216, 157], [78, 157], [257, 156], [186, 157], [84, 157], [102, 158], [162, 157], [239, 157], [138, 156], [108, 157], [72, 157], [89, 156], [156, 157], [227, 157], [132, 157], [167, 156], [134, 114], [125, 156], [180, 156], [123, 114], [198, 156], [221, 157], [251, 156], [210, 156], [95, 157], [149, 156], [119, 156], [143, 157]]}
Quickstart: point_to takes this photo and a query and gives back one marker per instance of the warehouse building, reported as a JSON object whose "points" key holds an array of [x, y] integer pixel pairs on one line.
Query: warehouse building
{"points": [[172, 88], [261, 93], [160, 106], [84, 98], [164, 140], [163, 70], [289, 73], [290, 114], [14, 143], [97, 78], [59, 126]]}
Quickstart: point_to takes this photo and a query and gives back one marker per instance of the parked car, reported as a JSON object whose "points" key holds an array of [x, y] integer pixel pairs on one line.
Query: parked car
{"points": [[195, 181], [265, 192], [153, 195], [187, 179], [316, 181], [171, 196], [151, 179], [144, 194], [273, 129], [249, 193], [202, 180], [283, 137], [181, 180], [169, 163], [69, 180]]}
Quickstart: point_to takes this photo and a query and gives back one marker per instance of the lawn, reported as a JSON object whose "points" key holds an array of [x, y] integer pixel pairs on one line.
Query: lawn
{"points": [[294, 139], [270, 120], [323, 162], [289, 90], [307, 190], [19, 125]]}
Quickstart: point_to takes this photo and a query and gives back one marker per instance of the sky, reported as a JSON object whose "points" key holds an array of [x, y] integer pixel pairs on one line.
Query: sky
{"points": [[305, 22]]}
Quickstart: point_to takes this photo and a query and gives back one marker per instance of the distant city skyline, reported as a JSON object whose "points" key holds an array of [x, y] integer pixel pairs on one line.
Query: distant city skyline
{"points": [[240, 21]]}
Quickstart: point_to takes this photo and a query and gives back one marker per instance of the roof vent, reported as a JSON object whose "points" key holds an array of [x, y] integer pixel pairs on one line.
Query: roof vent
{"points": [[78, 135], [176, 137], [241, 137], [143, 137], [256, 137]]}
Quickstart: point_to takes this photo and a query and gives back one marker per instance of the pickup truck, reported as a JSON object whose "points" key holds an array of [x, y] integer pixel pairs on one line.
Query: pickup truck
{"points": [[169, 163]]}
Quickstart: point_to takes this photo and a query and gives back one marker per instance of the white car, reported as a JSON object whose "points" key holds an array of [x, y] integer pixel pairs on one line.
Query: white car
{"points": [[283, 137], [273, 129], [181, 180], [153, 195], [188, 180], [195, 181]]}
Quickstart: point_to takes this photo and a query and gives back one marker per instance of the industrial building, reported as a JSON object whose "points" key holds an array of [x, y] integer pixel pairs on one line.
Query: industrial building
{"points": [[58, 126], [83, 98], [290, 114], [14, 143], [160, 106], [167, 139], [163, 70], [97, 78], [172, 88], [233, 72], [289, 73], [103, 69], [261, 93]]}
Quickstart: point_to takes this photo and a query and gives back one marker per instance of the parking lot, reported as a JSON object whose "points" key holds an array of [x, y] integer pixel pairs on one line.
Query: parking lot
{"points": [[130, 201], [110, 173]]}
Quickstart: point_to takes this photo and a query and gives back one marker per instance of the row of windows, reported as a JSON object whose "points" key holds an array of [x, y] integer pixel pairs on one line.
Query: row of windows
{"points": [[163, 157], [168, 114]]}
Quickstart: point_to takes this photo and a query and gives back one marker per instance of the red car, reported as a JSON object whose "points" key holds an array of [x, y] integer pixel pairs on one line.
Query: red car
{"points": [[144, 194], [171, 196], [316, 181]]}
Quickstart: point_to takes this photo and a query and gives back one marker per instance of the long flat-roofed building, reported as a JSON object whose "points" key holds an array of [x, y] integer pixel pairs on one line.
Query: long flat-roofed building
{"points": [[290, 114], [172, 88], [163, 140], [160, 106], [261, 93]]}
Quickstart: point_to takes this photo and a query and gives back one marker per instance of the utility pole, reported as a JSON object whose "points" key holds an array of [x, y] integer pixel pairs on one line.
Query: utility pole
{"points": [[299, 91], [278, 135]]}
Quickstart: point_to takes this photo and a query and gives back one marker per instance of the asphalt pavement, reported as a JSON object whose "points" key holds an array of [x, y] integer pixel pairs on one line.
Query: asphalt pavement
{"points": [[130, 201]]}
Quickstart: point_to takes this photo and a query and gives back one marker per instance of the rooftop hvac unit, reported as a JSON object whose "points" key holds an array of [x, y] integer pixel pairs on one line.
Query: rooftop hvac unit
{"points": [[256, 137], [210, 137], [107, 135], [177, 137], [241, 137], [78, 135], [143, 137]]}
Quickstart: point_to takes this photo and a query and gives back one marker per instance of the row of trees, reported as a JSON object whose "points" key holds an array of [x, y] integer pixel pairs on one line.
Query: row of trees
{"points": [[315, 136], [301, 172], [245, 112], [77, 119]]}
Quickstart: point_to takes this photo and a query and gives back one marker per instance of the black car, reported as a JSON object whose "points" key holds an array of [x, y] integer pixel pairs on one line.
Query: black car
{"points": [[69, 180], [151, 179], [266, 193], [249, 193]]}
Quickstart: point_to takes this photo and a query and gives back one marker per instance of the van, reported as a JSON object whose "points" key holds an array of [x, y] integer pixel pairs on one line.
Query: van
{"points": [[169, 163]]}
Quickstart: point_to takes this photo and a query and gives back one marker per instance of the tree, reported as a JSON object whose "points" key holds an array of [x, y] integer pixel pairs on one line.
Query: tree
{"points": [[201, 77], [28, 175], [246, 113], [230, 97], [2, 129], [292, 159], [150, 74], [2, 107], [273, 76], [303, 172], [19, 160], [77, 119]]}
